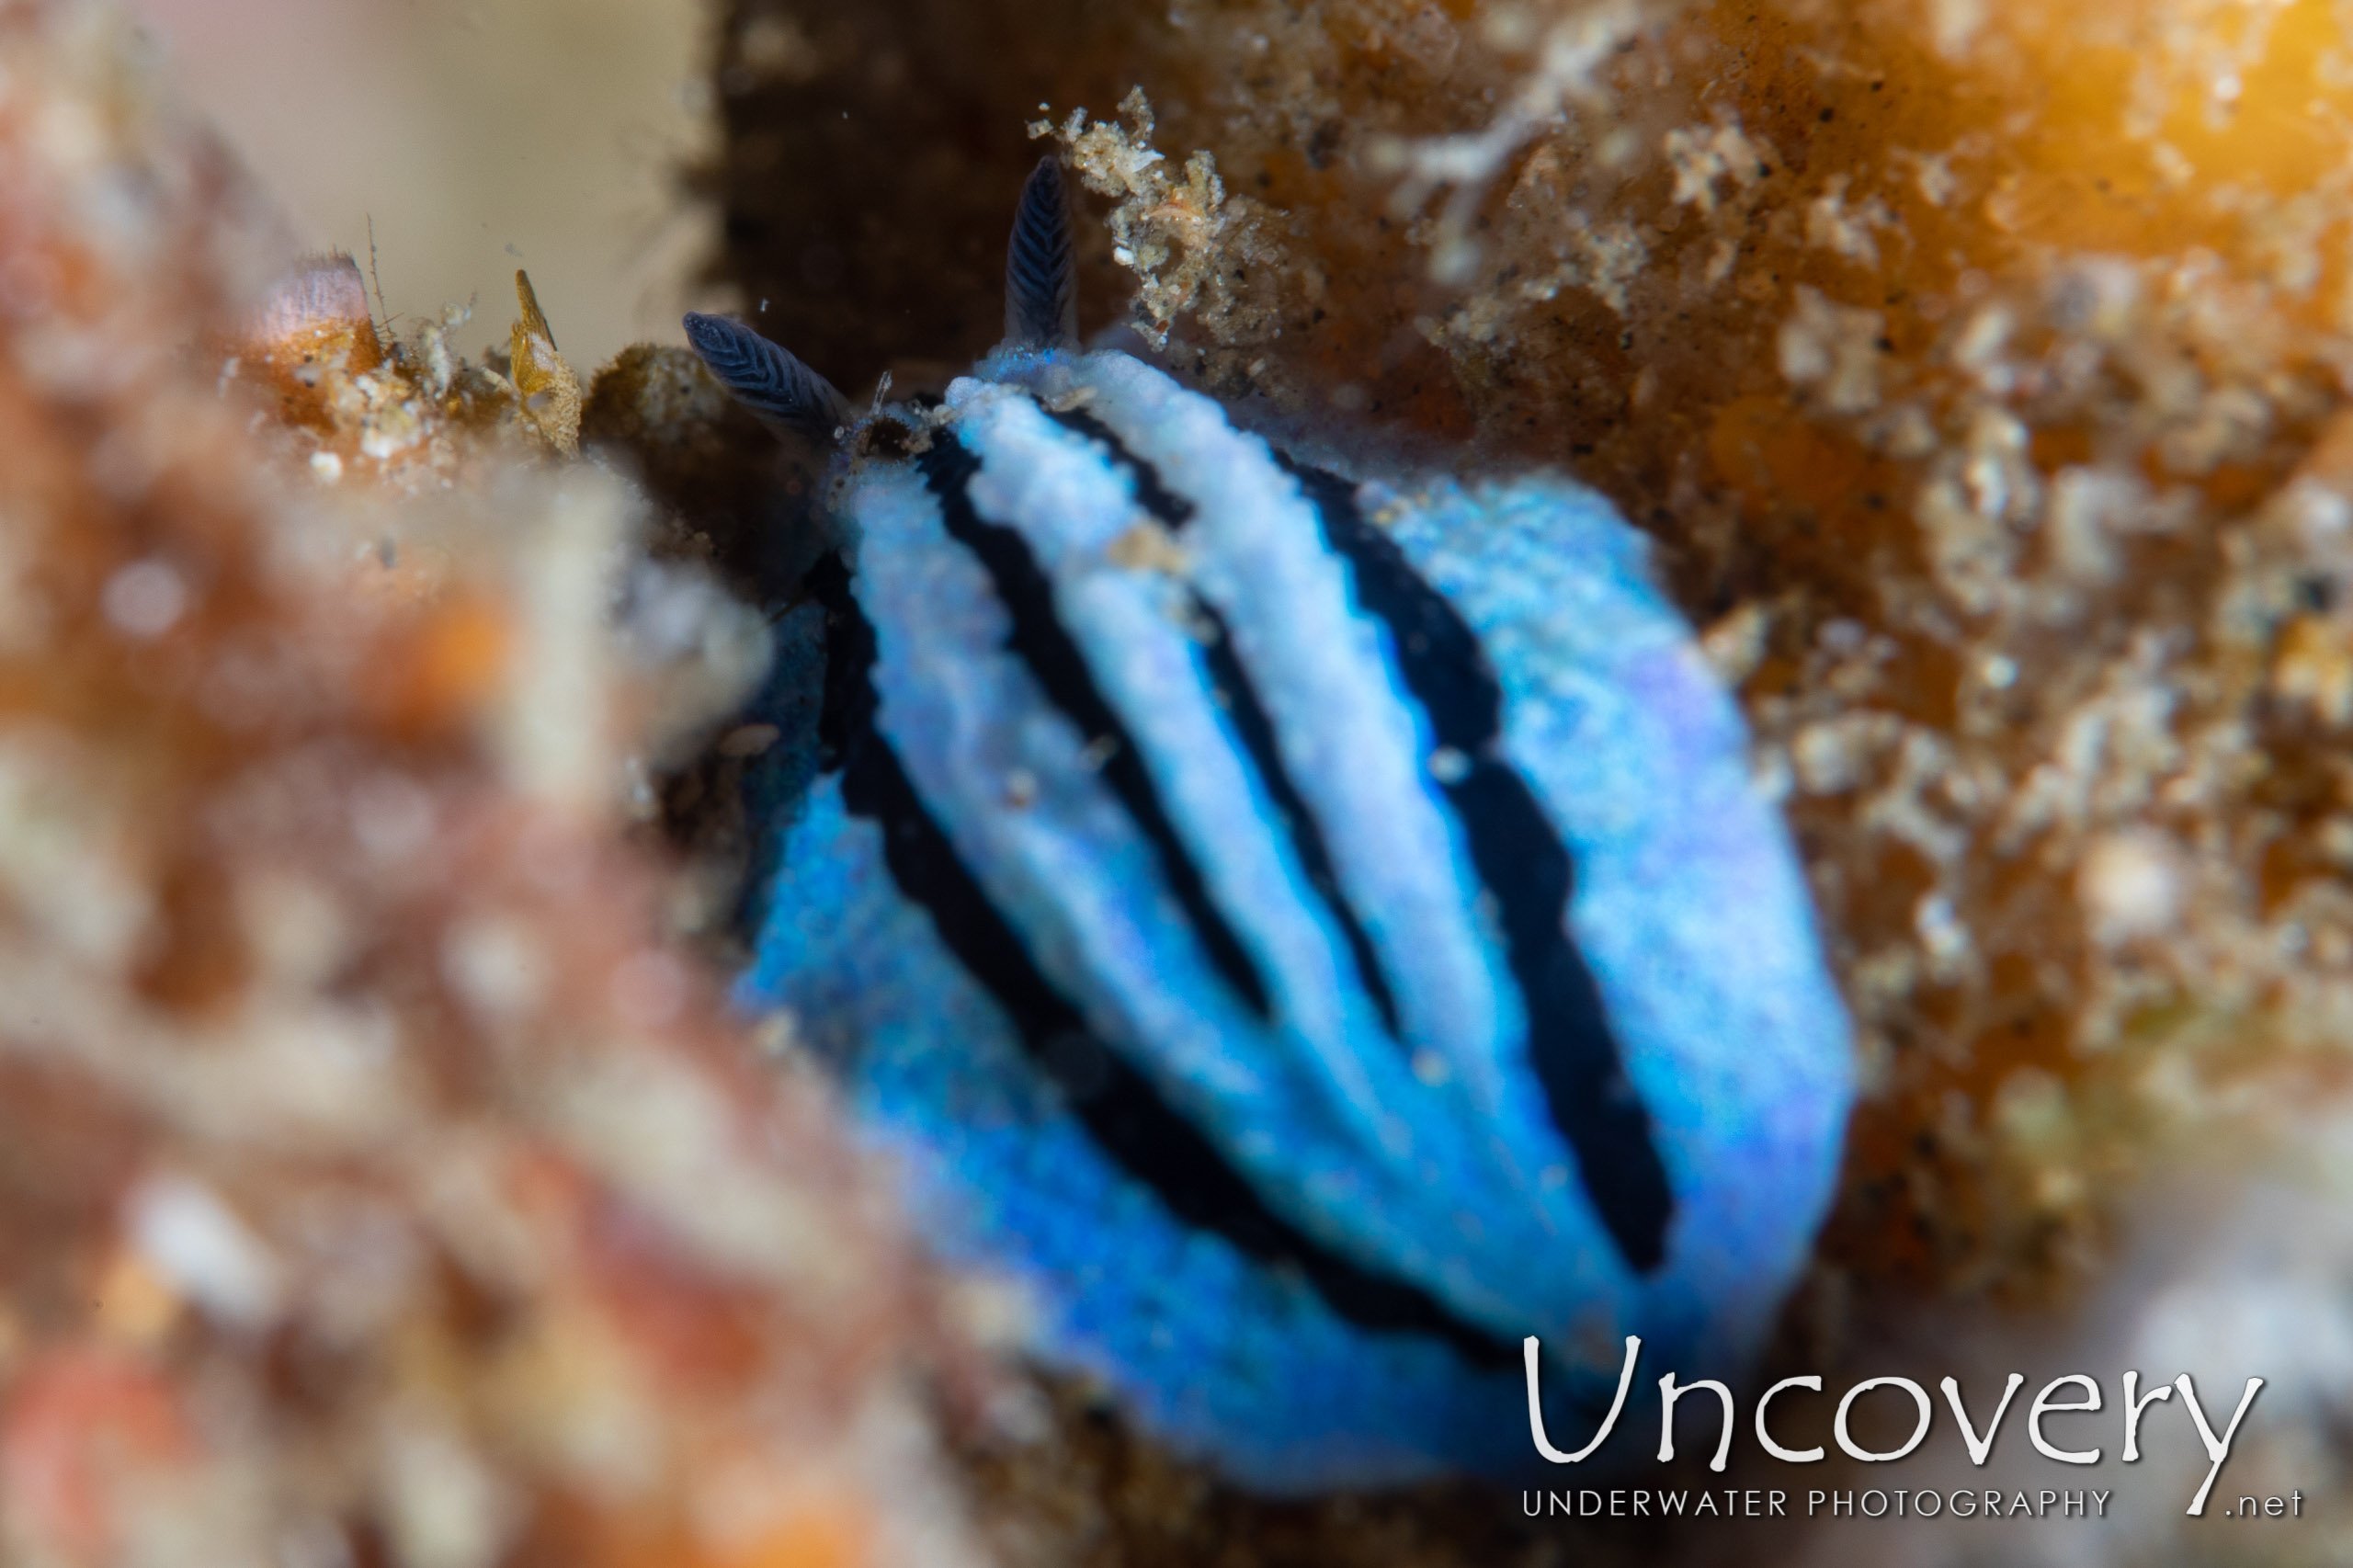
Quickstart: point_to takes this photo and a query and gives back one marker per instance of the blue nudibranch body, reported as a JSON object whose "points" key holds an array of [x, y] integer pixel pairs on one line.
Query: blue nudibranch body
{"points": [[1311, 934]]}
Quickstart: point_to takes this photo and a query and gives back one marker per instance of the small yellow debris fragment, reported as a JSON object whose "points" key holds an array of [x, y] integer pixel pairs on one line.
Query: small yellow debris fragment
{"points": [[2315, 666], [547, 394], [1148, 547]]}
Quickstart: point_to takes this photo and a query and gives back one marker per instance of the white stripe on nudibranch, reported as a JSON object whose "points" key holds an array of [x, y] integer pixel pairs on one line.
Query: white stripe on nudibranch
{"points": [[1133, 626], [1003, 771], [1353, 741]]}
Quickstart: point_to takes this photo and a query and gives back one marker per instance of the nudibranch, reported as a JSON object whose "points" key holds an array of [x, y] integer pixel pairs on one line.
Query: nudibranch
{"points": [[1311, 934]]}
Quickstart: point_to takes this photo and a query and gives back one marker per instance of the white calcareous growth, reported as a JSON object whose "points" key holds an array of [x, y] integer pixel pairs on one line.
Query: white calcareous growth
{"points": [[197, 1243], [2131, 885]]}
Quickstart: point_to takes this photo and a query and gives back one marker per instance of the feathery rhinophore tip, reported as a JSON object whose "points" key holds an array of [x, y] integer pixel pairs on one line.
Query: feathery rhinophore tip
{"points": [[767, 379], [1040, 274]]}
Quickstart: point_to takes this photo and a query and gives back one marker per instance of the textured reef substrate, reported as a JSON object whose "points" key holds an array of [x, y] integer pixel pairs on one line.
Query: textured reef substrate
{"points": [[1981, 374], [378, 1171], [380, 1182]]}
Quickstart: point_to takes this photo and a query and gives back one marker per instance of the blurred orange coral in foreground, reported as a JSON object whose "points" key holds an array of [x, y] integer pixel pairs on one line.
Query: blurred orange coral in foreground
{"points": [[374, 1185]]}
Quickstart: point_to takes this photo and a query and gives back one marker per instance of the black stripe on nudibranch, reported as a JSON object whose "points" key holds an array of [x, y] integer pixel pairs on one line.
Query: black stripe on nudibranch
{"points": [[1039, 638], [1256, 732], [1170, 509], [1120, 1110], [1522, 862], [1251, 724]]}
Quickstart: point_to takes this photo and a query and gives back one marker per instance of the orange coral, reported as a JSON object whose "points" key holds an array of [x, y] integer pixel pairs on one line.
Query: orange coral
{"points": [[375, 1184], [315, 324]]}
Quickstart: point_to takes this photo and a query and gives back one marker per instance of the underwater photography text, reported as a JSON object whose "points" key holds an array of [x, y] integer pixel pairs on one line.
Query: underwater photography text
{"points": [[2074, 1394]]}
